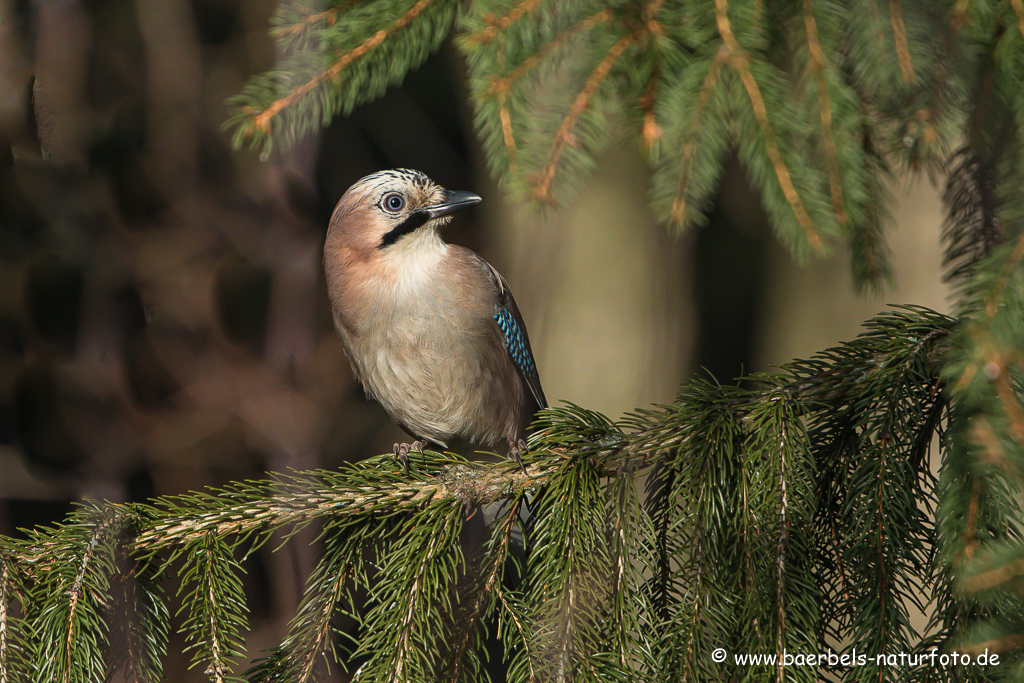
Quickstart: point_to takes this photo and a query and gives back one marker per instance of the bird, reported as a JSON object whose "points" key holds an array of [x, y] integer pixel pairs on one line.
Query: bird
{"points": [[431, 329]]}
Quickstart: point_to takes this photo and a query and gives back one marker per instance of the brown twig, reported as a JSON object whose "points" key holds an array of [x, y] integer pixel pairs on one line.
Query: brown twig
{"points": [[1010, 642], [899, 32], [507, 134], [818, 62], [1018, 9], [678, 211], [969, 536], [323, 630], [6, 588], [651, 132]]}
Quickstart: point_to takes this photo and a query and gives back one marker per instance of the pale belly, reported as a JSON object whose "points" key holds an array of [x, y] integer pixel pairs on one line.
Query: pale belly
{"points": [[434, 391]]}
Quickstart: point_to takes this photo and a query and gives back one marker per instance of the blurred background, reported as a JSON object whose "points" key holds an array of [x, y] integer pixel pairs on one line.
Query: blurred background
{"points": [[164, 324]]}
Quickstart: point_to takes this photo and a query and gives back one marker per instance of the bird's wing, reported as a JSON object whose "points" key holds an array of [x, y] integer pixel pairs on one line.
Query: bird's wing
{"points": [[513, 330]]}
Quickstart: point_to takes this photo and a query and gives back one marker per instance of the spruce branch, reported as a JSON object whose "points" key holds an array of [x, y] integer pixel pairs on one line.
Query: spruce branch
{"points": [[869, 253], [410, 596], [685, 202], [565, 133], [374, 486], [980, 509], [740, 61], [987, 359], [487, 588], [216, 607], [72, 566], [609, 588], [842, 138], [925, 116], [138, 616], [631, 538], [550, 80], [778, 485], [873, 63], [544, 95], [331, 70], [328, 591], [514, 627], [568, 569], [659, 510], [972, 195], [501, 86], [262, 120]]}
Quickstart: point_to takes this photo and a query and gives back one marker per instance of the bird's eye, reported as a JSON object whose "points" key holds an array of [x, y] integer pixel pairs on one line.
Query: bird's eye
{"points": [[393, 202]]}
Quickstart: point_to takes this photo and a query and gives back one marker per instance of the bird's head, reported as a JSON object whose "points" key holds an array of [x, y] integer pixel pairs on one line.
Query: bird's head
{"points": [[382, 210]]}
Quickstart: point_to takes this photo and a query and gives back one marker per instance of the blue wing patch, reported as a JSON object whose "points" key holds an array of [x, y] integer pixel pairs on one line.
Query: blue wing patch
{"points": [[515, 343]]}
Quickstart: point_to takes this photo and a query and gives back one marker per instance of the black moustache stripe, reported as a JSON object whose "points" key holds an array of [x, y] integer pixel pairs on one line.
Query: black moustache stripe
{"points": [[414, 221]]}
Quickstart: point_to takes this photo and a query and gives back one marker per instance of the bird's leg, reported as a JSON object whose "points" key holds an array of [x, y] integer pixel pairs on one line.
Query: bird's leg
{"points": [[515, 451], [402, 452]]}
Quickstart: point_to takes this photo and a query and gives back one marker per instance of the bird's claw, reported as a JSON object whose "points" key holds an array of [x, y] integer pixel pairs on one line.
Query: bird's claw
{"points": [[516, 450], [402, 455], [402, 452]]}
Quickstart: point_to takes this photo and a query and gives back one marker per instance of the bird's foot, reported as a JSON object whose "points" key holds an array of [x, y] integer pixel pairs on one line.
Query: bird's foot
{"points": [[402, 452], [516, 450]]}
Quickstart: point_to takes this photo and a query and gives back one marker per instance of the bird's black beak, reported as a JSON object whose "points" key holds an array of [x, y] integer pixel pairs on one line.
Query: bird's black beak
{"points": [[454, 202]]}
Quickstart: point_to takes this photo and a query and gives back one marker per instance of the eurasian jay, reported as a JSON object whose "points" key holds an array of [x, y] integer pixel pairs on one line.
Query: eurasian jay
{"points": [[431, 329]]}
